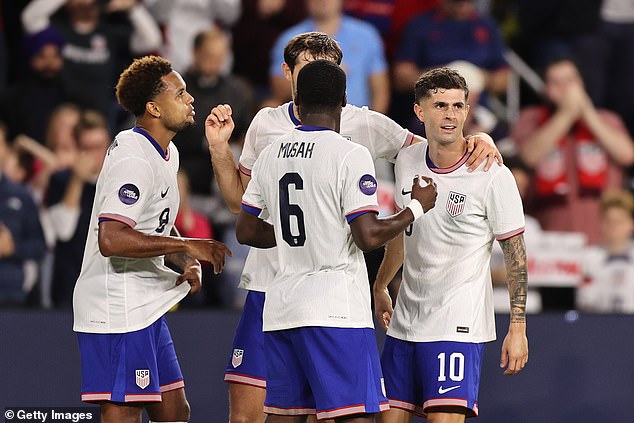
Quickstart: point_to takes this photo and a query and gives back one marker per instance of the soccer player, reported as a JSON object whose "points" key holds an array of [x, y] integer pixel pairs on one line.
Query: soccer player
{"points": [[124, 288], [319, 191], [444, 308], [379, 134]]}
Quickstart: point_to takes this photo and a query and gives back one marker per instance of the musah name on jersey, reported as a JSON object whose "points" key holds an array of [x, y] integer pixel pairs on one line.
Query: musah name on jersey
{"points": [[296, 149]]}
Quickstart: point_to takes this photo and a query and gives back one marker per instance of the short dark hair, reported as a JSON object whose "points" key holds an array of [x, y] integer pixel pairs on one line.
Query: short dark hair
{"points": [[439, 78], [142, 82], [316, 45], [321, 87]]}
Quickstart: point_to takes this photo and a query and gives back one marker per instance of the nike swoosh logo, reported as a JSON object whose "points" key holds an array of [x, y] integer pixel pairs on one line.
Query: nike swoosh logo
{"points": [[405, 192], [442, 390], [163, 194]]}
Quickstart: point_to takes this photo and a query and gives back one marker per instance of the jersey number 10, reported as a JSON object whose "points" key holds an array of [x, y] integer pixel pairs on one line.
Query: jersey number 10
{"points": [[287, 210]]}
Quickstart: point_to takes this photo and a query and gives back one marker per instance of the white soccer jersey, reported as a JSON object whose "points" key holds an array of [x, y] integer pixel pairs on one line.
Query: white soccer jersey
{"points": [[136, 186], [608, 285], [310, 183], [379, 134], [446, 293]]}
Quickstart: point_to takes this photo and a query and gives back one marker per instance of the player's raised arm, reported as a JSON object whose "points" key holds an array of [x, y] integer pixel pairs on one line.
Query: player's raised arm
{"points": [[120, 240], [515, 347], [370, 232], [219, 126]]}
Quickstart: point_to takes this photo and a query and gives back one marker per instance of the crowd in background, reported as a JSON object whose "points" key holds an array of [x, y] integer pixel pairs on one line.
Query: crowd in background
{"points": [[570, 147]]}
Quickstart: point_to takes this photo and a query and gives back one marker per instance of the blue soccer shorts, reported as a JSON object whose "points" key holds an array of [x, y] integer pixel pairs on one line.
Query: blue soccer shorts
{"points": [[331, 372], [246, 363], [423, 375], [129, 367]]}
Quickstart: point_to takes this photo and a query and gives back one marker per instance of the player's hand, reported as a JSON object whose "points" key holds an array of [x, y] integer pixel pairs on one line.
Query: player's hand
{"points": [[193, 275], [425, 195], [219, 125], [482, 147], [383, 307], [209, 250], [514, 349]]}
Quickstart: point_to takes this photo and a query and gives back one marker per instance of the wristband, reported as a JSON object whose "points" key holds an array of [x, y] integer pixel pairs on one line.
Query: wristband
{"points": [[416, 208]]}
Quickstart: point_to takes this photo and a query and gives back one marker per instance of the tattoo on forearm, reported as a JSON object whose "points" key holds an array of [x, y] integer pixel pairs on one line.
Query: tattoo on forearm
{"points": [[516, 275]]}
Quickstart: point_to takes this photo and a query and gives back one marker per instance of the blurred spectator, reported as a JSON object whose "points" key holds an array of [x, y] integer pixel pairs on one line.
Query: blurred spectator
{"points": [[28, 104], [378, 13], [363, 55], [69, 198], [60, 151], [575, 149], [451, 31], [183, 19], [252, 48], [404, 11], [209, 87], [21, 236], [608, 285], [99, 39], [607, 55]]}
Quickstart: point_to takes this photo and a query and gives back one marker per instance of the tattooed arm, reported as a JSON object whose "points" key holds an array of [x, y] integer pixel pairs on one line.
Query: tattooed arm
{"points": [[515, 346]]}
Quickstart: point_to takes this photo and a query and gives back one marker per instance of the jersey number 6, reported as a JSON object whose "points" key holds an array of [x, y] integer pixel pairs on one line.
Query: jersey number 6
{"points": [[287, 210]]}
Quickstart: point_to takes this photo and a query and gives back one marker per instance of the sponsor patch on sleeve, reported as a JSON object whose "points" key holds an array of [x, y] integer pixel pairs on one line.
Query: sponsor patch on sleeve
{"points": [[129, 194], [367, 184]]}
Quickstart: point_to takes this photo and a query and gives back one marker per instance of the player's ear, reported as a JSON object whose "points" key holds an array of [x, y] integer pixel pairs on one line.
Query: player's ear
{"points": [[286, 70], [152, 109], [344, 101], [418, 111]]}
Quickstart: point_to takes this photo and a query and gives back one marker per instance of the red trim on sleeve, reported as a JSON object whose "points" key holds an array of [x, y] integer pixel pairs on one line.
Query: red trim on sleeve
{"points": [[509, 235]]}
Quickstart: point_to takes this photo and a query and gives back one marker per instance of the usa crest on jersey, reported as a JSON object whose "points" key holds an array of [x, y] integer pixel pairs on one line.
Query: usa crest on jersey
{"points": [[236, 359], [142, 378], [455, 203]]}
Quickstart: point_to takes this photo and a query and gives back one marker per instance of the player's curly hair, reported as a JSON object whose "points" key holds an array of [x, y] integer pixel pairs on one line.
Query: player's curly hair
{"points": [[316, 45], [141, 82], [439, 78]]}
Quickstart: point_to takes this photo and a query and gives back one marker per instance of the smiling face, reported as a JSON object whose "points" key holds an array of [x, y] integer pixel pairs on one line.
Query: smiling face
{"points": [[174, 105], [444, 113]]}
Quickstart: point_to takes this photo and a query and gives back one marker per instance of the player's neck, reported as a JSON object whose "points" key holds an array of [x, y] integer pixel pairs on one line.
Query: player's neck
{"points": [[446, 155], [161, 135], [617, 247], [321, 120]]}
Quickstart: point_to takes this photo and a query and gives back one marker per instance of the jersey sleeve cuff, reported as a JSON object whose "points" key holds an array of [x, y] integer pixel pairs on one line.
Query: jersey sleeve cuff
{"points": [[244, 169], [510, 234], [255, 211], [118, 218], [362, 210]]}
